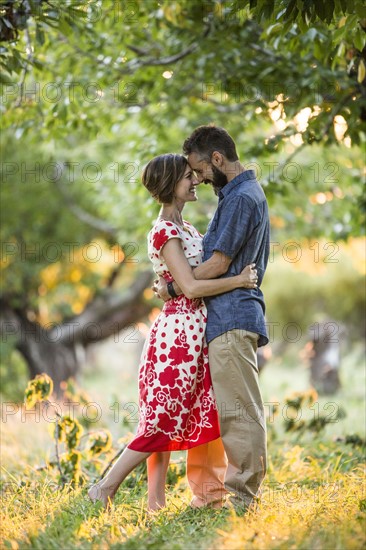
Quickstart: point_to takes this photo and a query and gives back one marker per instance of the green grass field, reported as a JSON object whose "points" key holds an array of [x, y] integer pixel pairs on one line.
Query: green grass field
{"points": [[313, 497]]}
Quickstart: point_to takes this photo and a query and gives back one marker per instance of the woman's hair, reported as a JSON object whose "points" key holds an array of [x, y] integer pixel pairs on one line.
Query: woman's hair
{"points": [[162, 174]]}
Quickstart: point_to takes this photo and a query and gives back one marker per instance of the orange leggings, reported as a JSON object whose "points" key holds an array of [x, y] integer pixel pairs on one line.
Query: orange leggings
{"points": [[206, 469]]}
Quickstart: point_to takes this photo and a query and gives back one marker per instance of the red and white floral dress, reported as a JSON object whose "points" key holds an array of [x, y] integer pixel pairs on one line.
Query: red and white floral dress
{"points": [[176, 399]]}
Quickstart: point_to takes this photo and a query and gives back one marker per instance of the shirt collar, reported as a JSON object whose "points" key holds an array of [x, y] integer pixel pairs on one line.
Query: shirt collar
{"points": [[243, 176]]}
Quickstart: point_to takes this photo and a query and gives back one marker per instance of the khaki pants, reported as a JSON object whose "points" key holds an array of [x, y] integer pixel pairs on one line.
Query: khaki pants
{"points": [[234, 373], [206, 468]]}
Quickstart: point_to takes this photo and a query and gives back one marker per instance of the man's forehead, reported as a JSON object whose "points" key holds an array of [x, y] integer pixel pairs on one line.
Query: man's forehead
{"points": [[195, 159]]}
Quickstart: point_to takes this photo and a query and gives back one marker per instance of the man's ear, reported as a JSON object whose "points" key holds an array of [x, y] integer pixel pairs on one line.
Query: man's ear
{"points": [[217, 159]]}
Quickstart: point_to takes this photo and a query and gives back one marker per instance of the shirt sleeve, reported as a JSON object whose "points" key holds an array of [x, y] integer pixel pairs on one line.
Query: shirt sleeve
{"points": [[235, 225], [163, 231]]}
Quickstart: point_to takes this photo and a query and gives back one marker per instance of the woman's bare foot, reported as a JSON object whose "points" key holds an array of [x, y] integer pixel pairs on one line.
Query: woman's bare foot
{"points": [[102, 494], [155, 506]]}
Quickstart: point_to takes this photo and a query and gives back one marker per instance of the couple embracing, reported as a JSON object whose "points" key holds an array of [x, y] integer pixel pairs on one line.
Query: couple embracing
{"points": [[198, 378]]}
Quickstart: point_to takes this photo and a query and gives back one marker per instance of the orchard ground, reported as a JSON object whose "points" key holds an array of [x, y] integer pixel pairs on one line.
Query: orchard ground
{"points": [[313, 497]]}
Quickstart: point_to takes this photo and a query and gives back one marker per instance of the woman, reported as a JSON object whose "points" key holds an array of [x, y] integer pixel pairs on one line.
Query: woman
{"points": [[177, 406]]}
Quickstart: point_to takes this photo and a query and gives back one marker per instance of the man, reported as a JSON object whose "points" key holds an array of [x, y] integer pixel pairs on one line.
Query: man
{"points": [[237, 235]]}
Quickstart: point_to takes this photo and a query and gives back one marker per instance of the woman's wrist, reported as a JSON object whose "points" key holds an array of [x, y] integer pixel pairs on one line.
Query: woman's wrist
{"points": [[171, 289]]}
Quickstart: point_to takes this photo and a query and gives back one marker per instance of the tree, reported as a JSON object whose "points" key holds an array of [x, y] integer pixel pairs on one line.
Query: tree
{"points": [[66, 282], [287, 73], [91, 90], [308, 52]]}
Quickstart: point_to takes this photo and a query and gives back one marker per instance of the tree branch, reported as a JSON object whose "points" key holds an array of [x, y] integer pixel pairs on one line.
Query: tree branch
{"points": [[334, 113], [114, 274], [84, 216], [228, 108], [108, 313], [166, 60], [336, 109], [56, 437], [26, 67], [266, 53]]}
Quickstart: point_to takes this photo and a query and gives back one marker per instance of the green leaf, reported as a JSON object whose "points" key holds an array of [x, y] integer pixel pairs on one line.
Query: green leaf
{"points": [[361, 10], [347, 6], [329, 10], [291, 10], [40, 36], [359, 39], [39, 389], [6, 78]]}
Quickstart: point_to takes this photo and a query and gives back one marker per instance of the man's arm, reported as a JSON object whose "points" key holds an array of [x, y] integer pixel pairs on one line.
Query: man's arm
{"points": [[214, 267], [233, 232], [217, 265]]}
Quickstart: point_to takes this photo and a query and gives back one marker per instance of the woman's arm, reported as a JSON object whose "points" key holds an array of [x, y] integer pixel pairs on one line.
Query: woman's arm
{"points": [[182, 273]]}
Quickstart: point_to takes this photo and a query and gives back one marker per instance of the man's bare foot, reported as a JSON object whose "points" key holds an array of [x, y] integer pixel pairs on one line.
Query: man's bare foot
{"points": [[215, 504]]}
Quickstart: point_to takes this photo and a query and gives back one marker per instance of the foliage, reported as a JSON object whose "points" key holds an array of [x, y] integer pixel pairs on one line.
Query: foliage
{"points": [[13, 374], [91, 90], [319, 43], [68, 430], [80, 461], [70, 467], [302, 279], [37, 236], [82, 114], [273, 55], [99, 442], [296, 403], [74, 393], [38, 389]]}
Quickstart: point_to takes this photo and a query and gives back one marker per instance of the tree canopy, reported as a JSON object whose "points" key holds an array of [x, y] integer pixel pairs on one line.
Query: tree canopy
{"points": [[161, 57], [132, 77], [92, 90]]}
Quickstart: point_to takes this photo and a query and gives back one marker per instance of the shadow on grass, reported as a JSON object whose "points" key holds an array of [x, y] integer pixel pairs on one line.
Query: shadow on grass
{"points": [[76, 523], [183, 529], [62, 526]]}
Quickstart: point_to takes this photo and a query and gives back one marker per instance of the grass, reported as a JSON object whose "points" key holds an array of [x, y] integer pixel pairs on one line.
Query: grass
{"points": [[313, 497]]}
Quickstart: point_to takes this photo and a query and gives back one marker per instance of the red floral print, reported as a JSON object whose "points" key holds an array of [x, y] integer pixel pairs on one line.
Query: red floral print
{"points": [[176, 400], [169, 377], [159, 239]]}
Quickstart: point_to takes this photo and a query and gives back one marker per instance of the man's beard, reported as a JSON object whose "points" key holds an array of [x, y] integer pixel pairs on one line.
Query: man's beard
{"points": [[219, 180]]}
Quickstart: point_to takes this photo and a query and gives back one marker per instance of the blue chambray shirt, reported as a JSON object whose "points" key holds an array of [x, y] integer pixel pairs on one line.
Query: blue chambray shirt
{"points": [[239, 229]]}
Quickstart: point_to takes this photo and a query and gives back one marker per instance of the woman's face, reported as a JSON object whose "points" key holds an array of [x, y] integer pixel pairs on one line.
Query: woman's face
{"points": [[185, 190]]}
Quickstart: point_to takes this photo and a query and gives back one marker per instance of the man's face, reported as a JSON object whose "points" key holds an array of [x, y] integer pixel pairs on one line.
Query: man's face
{"points": [[206, 172]]}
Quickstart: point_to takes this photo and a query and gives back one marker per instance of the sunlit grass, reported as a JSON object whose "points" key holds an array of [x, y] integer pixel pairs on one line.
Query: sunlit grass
{"points": [[313, 498]]}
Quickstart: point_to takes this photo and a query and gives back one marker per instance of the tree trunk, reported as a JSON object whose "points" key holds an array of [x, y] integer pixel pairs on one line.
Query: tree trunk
{"points": [[60, 351], [324, 355], [59, 360]]}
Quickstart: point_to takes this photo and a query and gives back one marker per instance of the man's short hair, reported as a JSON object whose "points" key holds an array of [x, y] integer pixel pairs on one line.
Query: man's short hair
{"points": [[206, 139]]}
